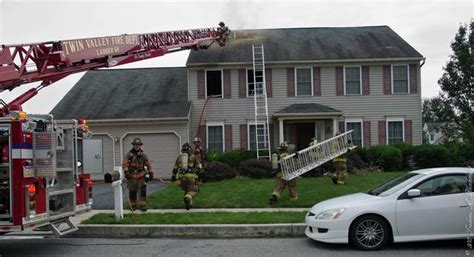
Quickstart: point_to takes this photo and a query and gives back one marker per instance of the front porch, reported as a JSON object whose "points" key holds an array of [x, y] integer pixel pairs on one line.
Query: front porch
{"points": [[298, 123]]}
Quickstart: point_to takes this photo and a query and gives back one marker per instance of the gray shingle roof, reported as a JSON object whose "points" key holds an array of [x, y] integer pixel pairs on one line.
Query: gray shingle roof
{"points": [[307, 108], [307, 44], [127, 93]]}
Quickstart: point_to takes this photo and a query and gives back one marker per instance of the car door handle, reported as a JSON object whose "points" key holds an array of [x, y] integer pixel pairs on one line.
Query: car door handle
{"points": [[463, 206]]}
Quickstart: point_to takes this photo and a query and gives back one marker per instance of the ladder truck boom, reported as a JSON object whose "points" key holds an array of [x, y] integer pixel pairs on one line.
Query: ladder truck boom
{"points": [[48, 62]]}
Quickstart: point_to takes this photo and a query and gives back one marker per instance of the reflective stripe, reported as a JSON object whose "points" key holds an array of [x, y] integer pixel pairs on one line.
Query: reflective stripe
{"points": [[22, 154], [188, 175]]}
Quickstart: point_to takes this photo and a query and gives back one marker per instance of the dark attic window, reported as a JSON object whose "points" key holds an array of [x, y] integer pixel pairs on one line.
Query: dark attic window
{"points": [[214, 83]]}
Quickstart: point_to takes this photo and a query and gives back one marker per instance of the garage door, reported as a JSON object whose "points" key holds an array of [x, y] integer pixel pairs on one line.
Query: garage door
{"points": [[162, 149]]}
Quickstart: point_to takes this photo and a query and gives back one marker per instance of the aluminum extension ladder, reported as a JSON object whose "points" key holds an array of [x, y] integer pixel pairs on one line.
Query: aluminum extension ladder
{"points": [[262, 131], [307, 159]]}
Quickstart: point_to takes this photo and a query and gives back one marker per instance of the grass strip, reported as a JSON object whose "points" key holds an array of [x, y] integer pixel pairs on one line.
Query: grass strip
{"points": [[202, 218]]}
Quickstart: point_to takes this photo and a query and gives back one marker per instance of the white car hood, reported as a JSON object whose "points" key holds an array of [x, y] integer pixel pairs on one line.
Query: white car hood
{"points": [[342, 202]]}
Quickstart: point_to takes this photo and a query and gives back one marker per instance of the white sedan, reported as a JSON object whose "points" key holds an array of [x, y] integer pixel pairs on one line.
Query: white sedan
{"points": [[428, 204]]}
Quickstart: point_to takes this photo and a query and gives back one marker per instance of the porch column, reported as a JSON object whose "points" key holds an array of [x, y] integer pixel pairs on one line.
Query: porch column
{"points": [[334, 127], [280, 131]]}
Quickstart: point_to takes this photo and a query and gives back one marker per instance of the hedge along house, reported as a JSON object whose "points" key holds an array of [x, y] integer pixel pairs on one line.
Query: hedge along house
{"points": [[319, 81], [122, 104]]}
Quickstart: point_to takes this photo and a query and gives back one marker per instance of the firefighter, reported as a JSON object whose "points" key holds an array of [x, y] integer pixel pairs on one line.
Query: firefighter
{"points": [[186, 174], [138, 172], [280, 183], [198, 151], [340, 169]]}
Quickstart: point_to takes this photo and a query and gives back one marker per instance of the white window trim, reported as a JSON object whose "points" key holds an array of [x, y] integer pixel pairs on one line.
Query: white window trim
{"points": [[215, 124], [360, 78], [356, 120], [250, 123], [386, 127], [408, 79], [222, 81], [247, 82], [296, 80]]}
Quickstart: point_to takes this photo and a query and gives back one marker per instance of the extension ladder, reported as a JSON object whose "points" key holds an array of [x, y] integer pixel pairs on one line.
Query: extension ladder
{"points": [[309, 158], [262, 131]]}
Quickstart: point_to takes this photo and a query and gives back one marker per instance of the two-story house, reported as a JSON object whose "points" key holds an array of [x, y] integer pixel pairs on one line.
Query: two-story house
{"points": [[319, 81]]}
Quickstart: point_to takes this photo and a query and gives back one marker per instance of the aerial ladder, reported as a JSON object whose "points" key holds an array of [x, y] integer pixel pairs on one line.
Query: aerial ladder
{"points": [[42, 181], [48, 62]]}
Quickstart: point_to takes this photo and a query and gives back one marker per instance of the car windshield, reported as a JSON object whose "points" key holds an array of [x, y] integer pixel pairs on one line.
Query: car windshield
{"points": [[394, 184]]}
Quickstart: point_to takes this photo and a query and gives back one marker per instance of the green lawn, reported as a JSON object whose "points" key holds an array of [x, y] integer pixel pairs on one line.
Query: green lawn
{"points": [[202, 218], [254, 193]]}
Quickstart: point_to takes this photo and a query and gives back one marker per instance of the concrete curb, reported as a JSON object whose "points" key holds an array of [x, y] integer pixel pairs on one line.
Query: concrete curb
{"points": [[193, 230]]}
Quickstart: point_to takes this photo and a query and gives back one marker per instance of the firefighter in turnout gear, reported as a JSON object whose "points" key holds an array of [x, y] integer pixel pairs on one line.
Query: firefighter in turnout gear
{"points": [[340, 167], [280, 183], [134, 164], [186, 174], [198, 151]]}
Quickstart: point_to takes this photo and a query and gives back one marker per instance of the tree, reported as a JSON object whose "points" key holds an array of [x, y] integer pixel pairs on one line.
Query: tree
{"points": [[457, 88], [433, 109]]}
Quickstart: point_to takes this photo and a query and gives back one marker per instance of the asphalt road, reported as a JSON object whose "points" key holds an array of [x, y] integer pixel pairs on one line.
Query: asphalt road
{"points": [[103, 195], [292, 247]]}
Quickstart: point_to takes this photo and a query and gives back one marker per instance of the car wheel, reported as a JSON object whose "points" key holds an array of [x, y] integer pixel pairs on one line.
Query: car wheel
{"points": [[369, 233]]}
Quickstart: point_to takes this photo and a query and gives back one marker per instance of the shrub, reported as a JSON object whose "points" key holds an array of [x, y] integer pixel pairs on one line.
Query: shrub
{"points": [[387, 157], [216, 171], [466, 155], [407, 155], [254, 168], [355, 162], [232, 158], [429, 156]]}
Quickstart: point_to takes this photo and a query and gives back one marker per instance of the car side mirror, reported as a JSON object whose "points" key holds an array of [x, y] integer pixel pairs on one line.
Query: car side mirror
{"points": [[414, 193]]}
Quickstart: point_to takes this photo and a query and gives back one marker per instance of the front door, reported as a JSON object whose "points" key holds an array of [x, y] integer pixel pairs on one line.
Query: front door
{"points": [[304, 133]]}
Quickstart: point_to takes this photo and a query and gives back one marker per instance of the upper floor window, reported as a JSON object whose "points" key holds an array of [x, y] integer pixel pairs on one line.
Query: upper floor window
{"points": [[400, 79], [250, 82], [215, 137], [356, 126], [395, 132], [214, 85], [304, 81], [352, 80]]}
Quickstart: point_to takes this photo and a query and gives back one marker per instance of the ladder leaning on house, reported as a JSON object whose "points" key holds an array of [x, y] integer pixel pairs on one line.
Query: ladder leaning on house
{"points": [[262, 131], [309, 158]]}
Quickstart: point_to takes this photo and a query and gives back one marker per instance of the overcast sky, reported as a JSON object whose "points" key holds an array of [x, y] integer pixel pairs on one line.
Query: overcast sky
{"points": [[429, 26]]}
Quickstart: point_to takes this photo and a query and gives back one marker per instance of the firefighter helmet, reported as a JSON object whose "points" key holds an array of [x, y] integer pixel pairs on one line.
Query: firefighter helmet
{"points": [[283, 146], [197, 140], [137, 141], [186, 148], [221, 24]]}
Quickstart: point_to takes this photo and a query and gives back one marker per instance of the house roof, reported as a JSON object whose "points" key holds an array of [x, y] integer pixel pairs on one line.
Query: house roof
{"points": [[308, 108], [127, 94], [309, 44], [433, 126]]}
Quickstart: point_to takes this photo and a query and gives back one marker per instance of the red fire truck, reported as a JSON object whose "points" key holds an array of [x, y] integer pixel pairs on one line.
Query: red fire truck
{"points": [[42, 181]]}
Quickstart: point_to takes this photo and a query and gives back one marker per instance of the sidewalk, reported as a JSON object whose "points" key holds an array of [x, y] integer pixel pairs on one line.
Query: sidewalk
{"points": [[191, 230]]}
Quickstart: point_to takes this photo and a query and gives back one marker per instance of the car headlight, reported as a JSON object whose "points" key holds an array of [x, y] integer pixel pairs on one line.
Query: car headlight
{"points": [[330, 214]]}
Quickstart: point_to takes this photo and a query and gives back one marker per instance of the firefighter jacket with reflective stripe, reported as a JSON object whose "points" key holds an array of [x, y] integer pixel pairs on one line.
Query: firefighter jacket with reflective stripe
{"points": [[136, 161]]}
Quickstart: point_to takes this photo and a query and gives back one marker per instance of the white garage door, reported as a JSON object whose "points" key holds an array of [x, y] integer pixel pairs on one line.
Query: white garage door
{"points": [[162, 149]]}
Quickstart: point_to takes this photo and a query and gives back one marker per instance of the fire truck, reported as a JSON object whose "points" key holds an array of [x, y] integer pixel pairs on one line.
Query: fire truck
{"points": [[42, 180]]}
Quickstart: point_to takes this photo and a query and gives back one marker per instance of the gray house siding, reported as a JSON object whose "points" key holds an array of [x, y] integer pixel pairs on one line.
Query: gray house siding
{"points": [[374, 107]]}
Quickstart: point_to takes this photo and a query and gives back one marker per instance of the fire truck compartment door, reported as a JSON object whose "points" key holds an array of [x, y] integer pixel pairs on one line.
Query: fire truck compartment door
{"points": [[93, 158]]}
